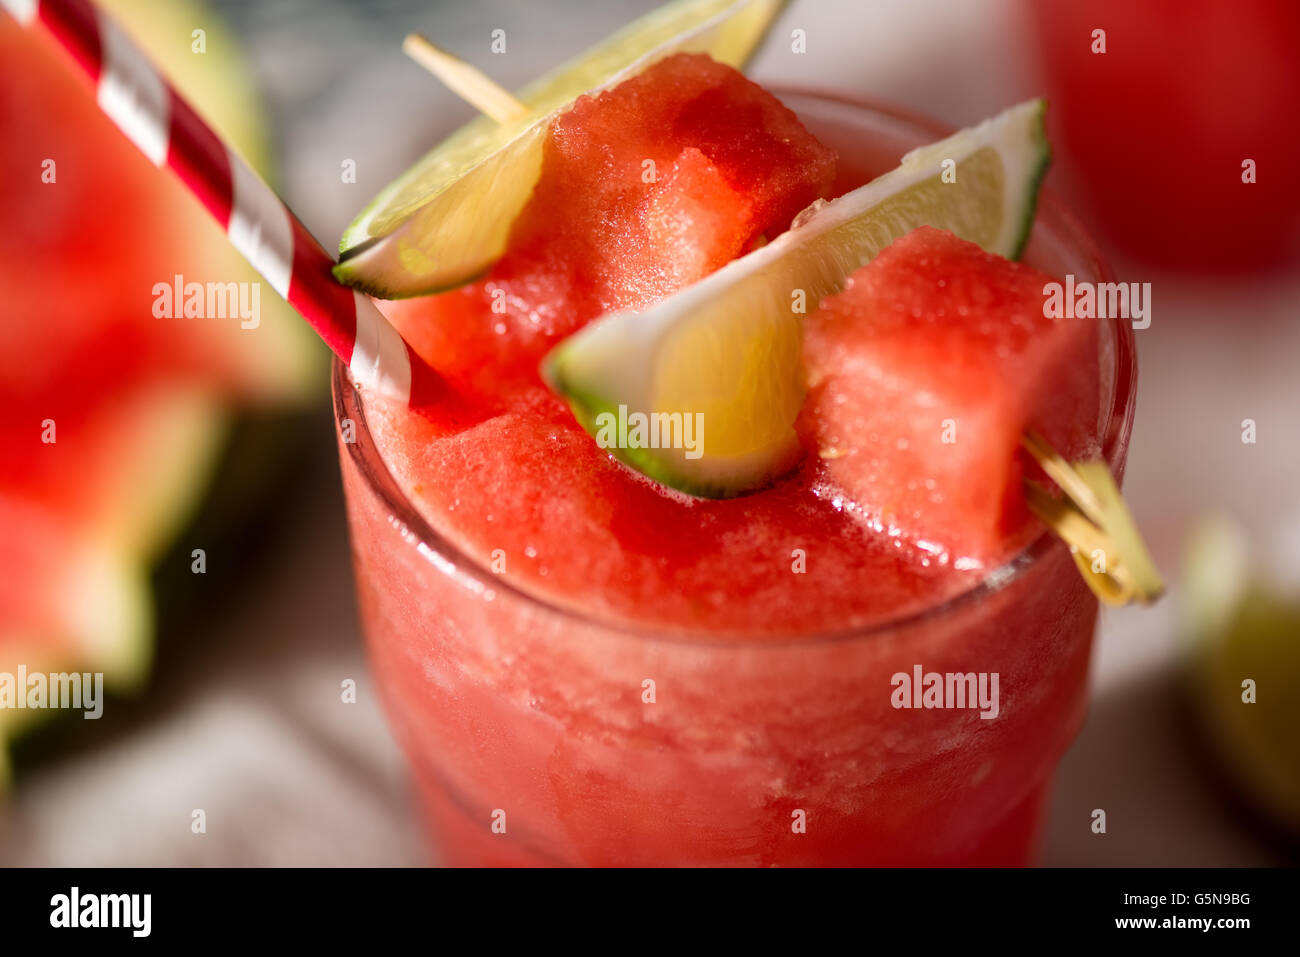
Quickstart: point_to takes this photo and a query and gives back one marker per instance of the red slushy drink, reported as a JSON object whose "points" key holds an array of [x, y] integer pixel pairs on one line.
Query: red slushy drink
{"points": [[586, 667]]}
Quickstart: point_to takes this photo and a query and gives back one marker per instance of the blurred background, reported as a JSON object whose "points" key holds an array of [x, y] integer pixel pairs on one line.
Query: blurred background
{"points": [[216, 439]]}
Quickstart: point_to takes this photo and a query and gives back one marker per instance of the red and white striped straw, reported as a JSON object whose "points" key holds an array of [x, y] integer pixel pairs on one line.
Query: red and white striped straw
{"points": [[135, 96]]}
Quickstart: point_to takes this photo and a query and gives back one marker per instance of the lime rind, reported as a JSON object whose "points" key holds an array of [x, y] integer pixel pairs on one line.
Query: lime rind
{"points": [[448, 218], [620, 359], [1040, 163], [717, 478]]}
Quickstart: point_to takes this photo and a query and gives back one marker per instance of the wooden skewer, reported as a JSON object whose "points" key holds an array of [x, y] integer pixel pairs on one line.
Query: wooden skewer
{"points": [[1092, 517], [466, 81], [1094, 521]]}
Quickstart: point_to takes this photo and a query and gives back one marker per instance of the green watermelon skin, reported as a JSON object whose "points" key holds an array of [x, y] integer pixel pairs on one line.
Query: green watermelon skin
{"points": [[923, 374]]}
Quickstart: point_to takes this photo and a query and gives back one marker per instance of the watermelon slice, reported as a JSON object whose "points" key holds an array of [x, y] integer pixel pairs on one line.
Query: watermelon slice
{"points": [[644, 189], [923, 374], [138, 404]]}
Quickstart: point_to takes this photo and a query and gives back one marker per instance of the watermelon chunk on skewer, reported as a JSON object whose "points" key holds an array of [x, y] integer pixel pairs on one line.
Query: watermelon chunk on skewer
{"points": [[924, 373]]}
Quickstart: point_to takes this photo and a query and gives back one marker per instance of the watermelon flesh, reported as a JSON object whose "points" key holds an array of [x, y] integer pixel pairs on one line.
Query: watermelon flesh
{"points": [[644, 189], [923, 373]]}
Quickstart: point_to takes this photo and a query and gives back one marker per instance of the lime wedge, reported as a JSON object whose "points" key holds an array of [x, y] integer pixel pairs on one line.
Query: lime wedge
{"points": [[1241, 666], [447, 218], [724, 354]]}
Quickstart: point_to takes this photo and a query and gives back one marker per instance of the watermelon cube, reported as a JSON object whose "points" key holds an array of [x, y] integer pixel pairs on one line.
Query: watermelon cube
{"points": [[923, 373], [645, 188]]}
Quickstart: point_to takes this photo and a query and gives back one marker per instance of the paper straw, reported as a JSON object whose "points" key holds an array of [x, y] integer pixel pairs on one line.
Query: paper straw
{"points": [[144, 106]]}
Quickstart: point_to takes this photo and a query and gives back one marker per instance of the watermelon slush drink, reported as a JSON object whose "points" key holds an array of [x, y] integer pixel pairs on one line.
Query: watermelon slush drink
{"points": [[586, 669]]}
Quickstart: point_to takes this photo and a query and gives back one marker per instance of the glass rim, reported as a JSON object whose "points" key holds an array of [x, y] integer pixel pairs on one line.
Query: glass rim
{"points": [[448, 558]]}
